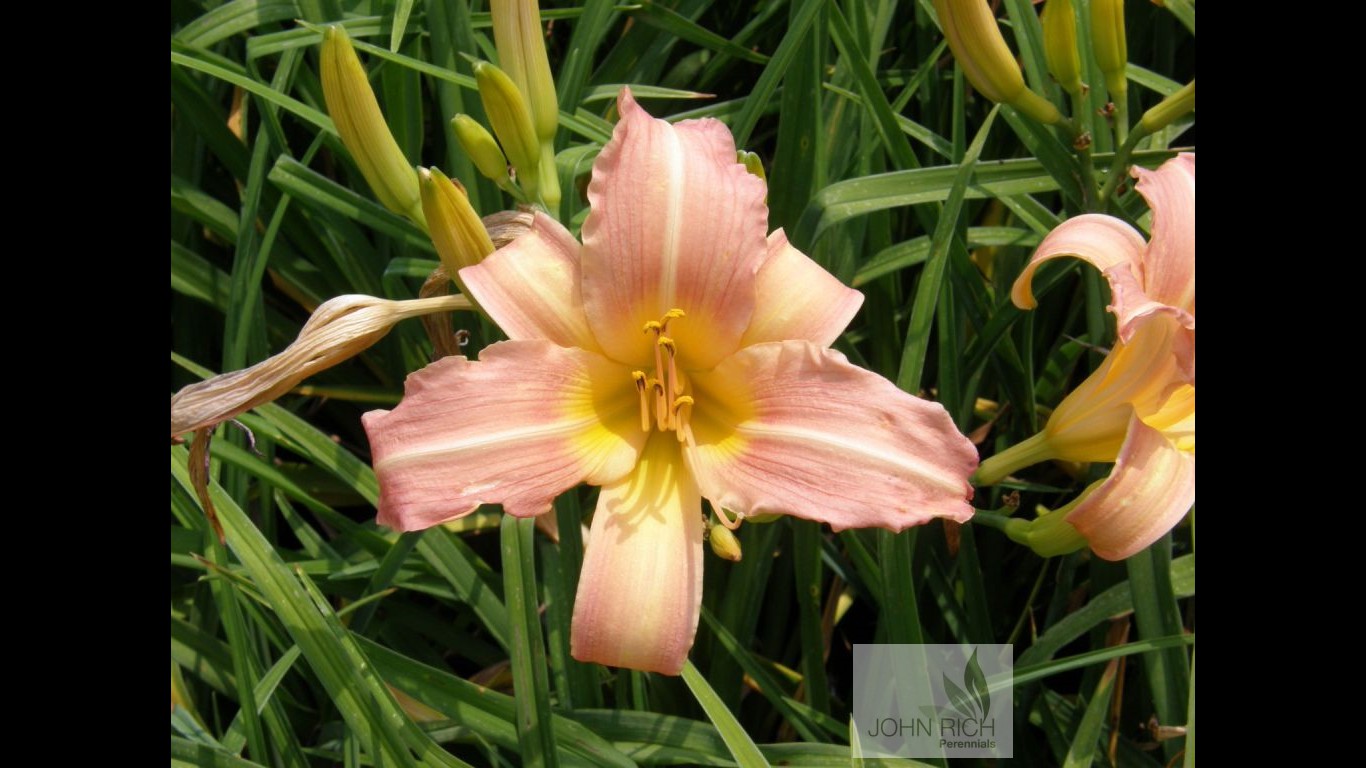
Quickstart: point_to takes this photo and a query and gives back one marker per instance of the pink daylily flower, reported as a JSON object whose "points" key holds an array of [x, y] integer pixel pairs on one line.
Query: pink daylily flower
{"points": [[1138, 408], [677, 354]]}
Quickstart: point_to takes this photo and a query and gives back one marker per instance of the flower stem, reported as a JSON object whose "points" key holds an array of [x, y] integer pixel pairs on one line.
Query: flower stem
{"points": [[1030, 451], [1048, 535], [1081, 144], [1118, 165], [1121, 117]]}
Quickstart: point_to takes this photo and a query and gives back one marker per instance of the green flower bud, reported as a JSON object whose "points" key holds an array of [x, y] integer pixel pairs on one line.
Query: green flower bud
{"points": [[1164, 112], [724, 543], [981, 50], [352, 105], [752, 163], [481, 147], [457, 231], [1060, 44], [1109, 45], [511, 120], [520, 40]]}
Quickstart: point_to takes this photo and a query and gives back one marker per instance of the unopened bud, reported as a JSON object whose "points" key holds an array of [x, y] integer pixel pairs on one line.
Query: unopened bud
{"points": [[977, 44], [351, 104], [1164, 112], [724, 543], [752, 163], [457, 231], [1109, 45], [1060, 44], [511, 120], [481, 147], [520, 40]]}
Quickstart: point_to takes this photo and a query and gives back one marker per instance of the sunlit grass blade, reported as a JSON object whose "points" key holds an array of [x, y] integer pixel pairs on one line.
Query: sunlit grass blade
{"points": [[588, 32], [528, 649], [487, 712], [1156, 615], [188, 753], [318, 191], [1113, 601], [766, 682], [741, 746], [342, 669], [231, 18], [745, 585], [807, 571], [1029, 673], [759, 95], [289, 104], [1084, 742], [844, 200], [931, 278], [451, 560], [671, 21]]}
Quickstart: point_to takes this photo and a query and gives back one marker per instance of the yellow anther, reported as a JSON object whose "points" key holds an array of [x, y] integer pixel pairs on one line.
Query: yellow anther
{"points": [[672, 314], [652, 325], [642, 384], [681, 401], [667, 342]]}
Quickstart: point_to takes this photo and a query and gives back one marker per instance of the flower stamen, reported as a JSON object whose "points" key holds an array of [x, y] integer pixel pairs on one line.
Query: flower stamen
{"points": [[726, 521], [661, 404], [671, 388], [682, 410], [641, 385], [672, 314], [667, 384]]}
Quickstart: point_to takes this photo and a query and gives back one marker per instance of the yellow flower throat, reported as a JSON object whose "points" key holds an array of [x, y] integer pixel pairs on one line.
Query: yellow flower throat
{"points": [[664, 385]]}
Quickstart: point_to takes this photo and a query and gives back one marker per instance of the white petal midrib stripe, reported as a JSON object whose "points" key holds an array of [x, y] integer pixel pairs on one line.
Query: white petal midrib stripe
{"points": [[483, 439], [915, 466]]}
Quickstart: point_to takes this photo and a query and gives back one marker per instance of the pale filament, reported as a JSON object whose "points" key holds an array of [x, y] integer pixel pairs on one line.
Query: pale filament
{"points": [[726, 521], [672, 409]]}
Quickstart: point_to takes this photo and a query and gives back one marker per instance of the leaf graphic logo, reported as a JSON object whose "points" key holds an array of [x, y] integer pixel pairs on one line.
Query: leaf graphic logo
{"points": [[972, 700]]}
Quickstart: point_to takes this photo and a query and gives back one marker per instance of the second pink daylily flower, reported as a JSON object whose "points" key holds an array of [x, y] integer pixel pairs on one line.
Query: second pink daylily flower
{"points": [[1138, 408], [678, 354]]}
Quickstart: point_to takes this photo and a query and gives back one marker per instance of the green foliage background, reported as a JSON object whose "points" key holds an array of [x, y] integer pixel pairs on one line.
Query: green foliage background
{"points": [[290, 644]]}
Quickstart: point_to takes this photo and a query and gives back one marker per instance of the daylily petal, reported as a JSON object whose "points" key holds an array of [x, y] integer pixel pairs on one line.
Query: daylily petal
{"points": [[641, 588], [676, 223], [793, 428], [1146, 279], [1106, 242], [1176, 418], [797, 299], [525, 423], [1091, 423], [1169, 267], [530, 287], [1151, 487]]}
